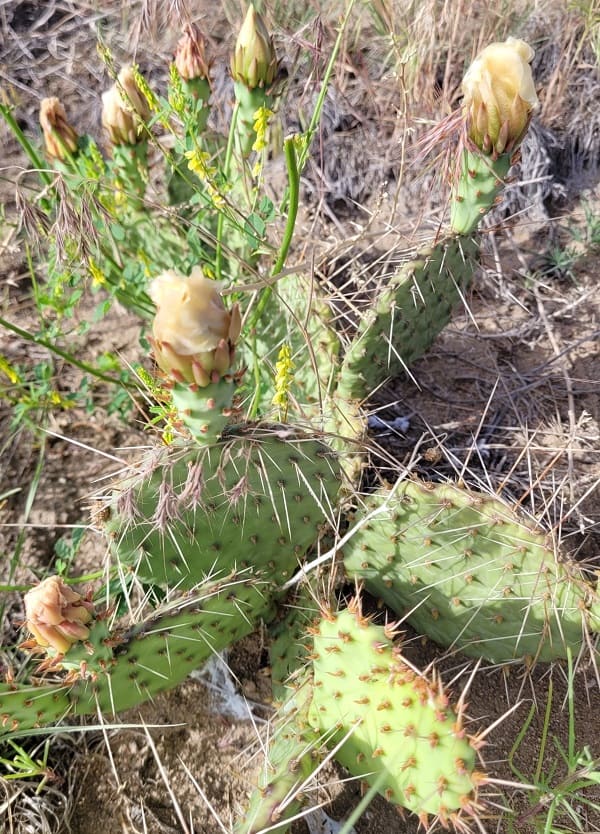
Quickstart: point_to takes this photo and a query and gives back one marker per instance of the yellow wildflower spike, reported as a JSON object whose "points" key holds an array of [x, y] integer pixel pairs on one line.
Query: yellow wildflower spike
{"points": [[284, 376]]}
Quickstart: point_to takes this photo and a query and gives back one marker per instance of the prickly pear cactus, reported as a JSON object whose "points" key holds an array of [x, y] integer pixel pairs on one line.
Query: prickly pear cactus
{"points": [[117, 668], [259, 498], [470, 573], [414, 307], [295, 750], [394, 727], [27, 706], [205, 416], [159, 652], [481, 180]]}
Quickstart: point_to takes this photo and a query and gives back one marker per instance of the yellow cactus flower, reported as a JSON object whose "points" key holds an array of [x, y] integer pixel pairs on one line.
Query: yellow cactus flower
{"points": [[123, 106], [56, 616], [499, 96], [60, 138], [194, 334], [254, 61]]}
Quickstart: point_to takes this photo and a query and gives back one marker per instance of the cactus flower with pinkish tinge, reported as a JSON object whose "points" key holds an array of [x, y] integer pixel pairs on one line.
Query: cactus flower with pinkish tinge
{"points": [[60, 139], [190, 55], [57, 616], [194, 334]]}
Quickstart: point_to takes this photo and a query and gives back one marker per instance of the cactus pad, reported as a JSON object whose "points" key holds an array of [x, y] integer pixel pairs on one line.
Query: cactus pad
{"points": [[469, 573], [205, 411], [415, 305], [23, 707], [399, 731], [161, 651], [481, 180], [294, 749], [119, 668], [258, 498]]}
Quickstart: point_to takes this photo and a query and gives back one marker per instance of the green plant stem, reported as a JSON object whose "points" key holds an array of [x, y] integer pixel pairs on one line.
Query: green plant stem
{"points": [[545, 729], [24, 142], [295, 164], [363, 804], [253, 409], [83, 366], [226, 166], [291, 161], [312, 127], [293, 171]]}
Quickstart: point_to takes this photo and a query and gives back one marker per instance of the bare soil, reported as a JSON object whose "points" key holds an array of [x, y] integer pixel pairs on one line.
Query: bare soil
{"points": [[508, 398]]}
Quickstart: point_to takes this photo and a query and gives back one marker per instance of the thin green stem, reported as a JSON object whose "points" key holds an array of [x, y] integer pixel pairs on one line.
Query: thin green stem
{"points": [[572, 733], [316, 116], [544, 738], [293, 172], [24, 142], [226, 165], [291, 161], [363, 804], [253, 410], [83, 366], [295, 164]]}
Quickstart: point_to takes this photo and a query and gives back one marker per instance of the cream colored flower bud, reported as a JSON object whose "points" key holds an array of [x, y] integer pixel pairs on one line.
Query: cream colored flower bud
{"points": [[254, 61], [190, 55], [194, 334], [56, 615], [499, 96], [123, 106], [59, 137]]}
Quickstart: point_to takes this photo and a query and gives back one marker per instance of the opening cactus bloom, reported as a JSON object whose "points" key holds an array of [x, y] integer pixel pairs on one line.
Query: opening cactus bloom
{"points": [[190, 55], [120, 106], [56, 615], [59, 137], [499, 96], [194, 334], [254, 61]]}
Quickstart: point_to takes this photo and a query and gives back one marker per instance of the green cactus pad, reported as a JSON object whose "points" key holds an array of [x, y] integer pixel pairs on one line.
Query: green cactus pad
{"points": [[314, 342], [400, 732], [24, 707], [478, 184], [414, 307], [249, 101], [205, 411], [259, 499], [468, 572], [120, 668], [295, 315], [294, 753], [158, 653]]}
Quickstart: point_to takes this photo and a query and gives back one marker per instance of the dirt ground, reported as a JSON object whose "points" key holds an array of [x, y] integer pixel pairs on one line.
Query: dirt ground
{"points": [[508, 398]]}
